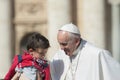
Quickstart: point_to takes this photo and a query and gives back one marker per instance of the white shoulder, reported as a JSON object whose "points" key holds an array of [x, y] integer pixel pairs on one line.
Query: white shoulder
{"points": [[91, 49]]}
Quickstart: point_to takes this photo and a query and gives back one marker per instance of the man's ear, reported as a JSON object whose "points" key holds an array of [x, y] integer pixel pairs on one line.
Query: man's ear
{"points": [[77, 42]]}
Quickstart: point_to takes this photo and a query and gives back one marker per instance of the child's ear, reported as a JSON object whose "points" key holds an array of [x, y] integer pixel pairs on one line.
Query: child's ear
{"points": [[30, 50]]}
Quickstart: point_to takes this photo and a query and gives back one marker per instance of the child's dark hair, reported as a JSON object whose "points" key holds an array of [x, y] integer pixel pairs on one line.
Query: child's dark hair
{"points": [[36, 40]]}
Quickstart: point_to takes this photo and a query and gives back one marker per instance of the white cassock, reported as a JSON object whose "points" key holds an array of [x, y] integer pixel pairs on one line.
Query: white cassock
{"points": [[87, 63]]}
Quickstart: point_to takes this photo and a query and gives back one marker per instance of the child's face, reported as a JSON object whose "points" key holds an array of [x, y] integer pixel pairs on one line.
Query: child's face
{"points": [[39, 53]]}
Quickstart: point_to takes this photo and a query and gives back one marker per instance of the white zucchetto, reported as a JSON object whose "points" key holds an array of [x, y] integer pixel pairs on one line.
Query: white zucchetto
{"points": [[70, 28]]}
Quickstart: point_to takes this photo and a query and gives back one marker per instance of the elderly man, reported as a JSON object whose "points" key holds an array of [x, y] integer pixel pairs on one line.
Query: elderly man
{"points": [[79, 60]]}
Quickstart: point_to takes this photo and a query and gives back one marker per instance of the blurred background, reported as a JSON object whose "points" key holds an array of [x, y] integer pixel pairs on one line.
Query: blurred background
{"points": [[98, 21]]}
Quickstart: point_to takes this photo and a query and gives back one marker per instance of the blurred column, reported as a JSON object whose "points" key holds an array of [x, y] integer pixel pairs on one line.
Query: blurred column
{"points": [[116, 31], [5, 39], [91, 20], [115, 28], [59, 13]]}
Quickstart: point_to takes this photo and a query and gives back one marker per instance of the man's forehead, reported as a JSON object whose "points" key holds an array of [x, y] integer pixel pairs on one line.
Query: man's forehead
{"points": [[63, 34]]}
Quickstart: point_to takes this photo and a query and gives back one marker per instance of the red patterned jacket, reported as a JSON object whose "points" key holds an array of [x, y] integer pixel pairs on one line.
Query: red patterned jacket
{"points": [[27, 60]]}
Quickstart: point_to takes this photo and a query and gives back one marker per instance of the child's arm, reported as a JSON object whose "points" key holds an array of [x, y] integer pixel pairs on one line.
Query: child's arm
{"points": [[16, 76], [38, 76]]}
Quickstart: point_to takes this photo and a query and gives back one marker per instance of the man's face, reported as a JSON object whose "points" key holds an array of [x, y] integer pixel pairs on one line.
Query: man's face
{"points": [[66, 43]]}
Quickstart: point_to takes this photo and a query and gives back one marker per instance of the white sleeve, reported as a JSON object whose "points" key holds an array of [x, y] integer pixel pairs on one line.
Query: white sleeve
{"points": [[54, 73]]}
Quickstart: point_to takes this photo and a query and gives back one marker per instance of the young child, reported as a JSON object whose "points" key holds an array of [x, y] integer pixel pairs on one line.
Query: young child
{"points": [[31, 65]]}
